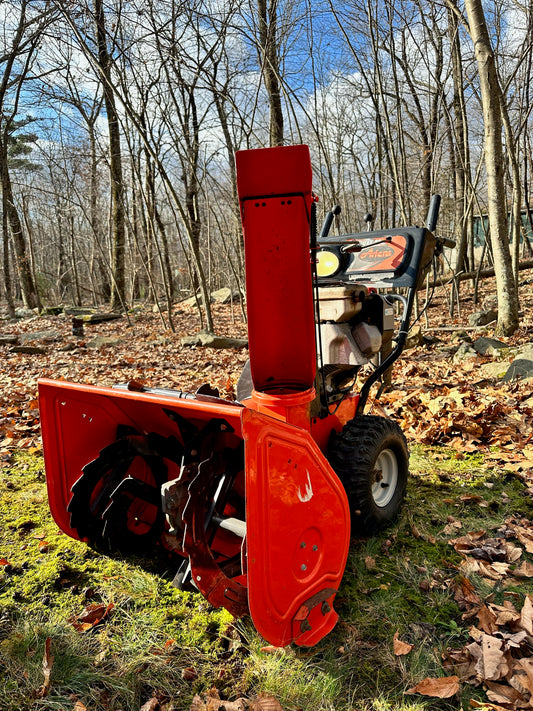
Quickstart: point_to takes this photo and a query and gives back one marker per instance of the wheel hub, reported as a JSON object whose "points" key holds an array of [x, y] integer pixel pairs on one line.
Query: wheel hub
{"points": [[386, 477]]}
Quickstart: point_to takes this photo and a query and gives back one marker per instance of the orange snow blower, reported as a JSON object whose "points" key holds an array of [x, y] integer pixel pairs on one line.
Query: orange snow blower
{"points": [[257, 498]]}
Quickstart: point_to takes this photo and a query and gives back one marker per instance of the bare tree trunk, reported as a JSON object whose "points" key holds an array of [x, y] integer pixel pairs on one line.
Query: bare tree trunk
{"points": [[268, 11], [23, 265], [29, 232], [528, 228], [118, 286], [494, 164], [8, 81], [99, 267], [7, 270], [526, 142], [462, 162]]}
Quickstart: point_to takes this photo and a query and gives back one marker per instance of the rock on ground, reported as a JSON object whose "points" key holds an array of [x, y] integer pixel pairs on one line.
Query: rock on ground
{"points": [[209, 340], [464, 352], [102, 341], [488, 346], [482, 318], [520, 369]]}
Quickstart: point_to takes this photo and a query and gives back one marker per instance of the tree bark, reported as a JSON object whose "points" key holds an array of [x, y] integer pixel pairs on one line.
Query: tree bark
{"points": [[6, 266], [268, 10], [23, 265], [462, 207], [118, 268], [11, 218], [495, 167]]}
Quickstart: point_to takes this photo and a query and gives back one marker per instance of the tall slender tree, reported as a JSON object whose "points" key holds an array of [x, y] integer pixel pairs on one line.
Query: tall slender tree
{"points": [[269, 50], [118, 259], [491, 97], [15, 65]]}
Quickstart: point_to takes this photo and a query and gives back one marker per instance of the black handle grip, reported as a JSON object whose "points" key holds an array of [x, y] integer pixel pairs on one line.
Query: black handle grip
{"points": [[326, 225], [445, 242], [312, 226], [433, 213]]}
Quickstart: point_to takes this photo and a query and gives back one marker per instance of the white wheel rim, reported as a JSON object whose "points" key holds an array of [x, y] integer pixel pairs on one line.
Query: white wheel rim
{"points": [[385, 478]]}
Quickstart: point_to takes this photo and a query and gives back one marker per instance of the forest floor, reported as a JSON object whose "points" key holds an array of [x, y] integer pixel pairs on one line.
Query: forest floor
{"points": [[435, 613]]}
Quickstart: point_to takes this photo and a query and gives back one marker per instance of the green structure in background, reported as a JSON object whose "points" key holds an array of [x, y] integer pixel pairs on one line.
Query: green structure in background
{"points": [[481, 225]]}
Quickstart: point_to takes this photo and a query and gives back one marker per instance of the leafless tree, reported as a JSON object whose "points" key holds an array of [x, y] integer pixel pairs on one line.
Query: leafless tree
{"points": [[491, 95], [27, 21]]}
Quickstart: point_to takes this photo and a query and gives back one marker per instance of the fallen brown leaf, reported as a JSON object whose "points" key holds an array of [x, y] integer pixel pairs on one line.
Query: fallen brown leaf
{"points": [[465, 594], [440, 688], [502, 694], [48, 661], [270, 649], [498, 569], [265, 702], [513, 552], [91, 616], [524, 571], [460, 663], [452, 527], [401, 648], [525, 536], [487, 707], [487, 620], [527, 666], [526, 616], [467, 542], [492, 657], [506, 613], [189, 674], [214, 703], [488, 653], [473, 499]]}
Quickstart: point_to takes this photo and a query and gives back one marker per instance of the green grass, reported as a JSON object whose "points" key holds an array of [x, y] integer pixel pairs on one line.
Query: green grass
{"points": [[398, 581]]}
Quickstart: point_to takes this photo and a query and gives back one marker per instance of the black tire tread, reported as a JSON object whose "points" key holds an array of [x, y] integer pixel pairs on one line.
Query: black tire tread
{"points": [[352, 454]]}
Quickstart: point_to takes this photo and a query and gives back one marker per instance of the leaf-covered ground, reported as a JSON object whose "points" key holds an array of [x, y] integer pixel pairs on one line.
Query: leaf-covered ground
{"points": [[435, 613]]}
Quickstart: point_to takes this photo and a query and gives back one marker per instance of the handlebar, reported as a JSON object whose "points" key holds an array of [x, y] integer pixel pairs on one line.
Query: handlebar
{"points": [[431, 223], [445, 242], [433, 213], [328, 220]]}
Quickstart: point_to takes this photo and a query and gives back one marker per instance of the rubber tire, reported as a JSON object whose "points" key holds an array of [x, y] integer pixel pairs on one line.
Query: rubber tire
{"points": [[353, 454]]}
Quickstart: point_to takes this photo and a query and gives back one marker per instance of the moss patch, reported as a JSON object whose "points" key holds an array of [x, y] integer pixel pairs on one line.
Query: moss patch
{"points": [[159, 641]]}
